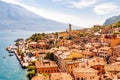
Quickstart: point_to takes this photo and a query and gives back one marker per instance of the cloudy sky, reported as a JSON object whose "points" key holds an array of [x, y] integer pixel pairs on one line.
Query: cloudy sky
{"points": [[83, 13]]}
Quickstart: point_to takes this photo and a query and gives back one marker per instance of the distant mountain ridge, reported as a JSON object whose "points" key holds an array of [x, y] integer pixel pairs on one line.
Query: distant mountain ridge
{"points": [[112, 20], [14, 17]]}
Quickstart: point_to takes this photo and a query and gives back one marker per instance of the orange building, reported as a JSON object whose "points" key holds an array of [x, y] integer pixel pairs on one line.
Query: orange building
{"points": [[46, 66], [37, 55], [114, 42]]}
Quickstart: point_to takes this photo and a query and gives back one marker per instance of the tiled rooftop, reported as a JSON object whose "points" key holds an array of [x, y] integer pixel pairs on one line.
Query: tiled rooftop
{"points": [[39, 78], [61, 76], [45, 63], [84, 70]]}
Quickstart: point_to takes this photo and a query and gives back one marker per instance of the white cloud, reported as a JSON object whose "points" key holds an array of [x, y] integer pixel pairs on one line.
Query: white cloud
{"points": [[83, 3], [12, 1], [105, 8], [61, 0], [56, 0]]}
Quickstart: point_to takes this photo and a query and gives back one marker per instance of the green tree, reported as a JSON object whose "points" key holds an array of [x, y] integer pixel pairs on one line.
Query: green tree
{"points": [[31, 70], [81, 35], [49, 56], [56, 34], [30, 74], [44, 35]]}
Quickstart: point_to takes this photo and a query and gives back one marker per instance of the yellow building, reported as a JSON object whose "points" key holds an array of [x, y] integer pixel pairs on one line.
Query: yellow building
{"points": [[68, 60]]}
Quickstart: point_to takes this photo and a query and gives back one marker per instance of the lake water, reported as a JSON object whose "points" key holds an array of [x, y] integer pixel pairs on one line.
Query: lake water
{"points": [[10, 68]]}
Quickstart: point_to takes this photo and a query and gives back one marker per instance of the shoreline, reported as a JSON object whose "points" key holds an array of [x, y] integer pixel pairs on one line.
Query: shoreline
{"points": [[17, 56], [20, 61]]}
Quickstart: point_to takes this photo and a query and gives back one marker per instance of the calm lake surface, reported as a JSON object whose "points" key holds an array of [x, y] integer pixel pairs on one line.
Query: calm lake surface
{"points": [[10, 68]]}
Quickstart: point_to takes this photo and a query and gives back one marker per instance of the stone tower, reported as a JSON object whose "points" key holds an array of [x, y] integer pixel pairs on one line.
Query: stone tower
{"points": [[70, 30], [70, 27]]}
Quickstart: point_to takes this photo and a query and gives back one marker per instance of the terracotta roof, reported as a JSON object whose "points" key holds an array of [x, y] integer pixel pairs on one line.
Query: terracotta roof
{"points": [[45, 63], [112, 67], [104, 48], [118, 58], [84, 70], [96, 61], [32, 43], [39, 78], [87, 52], [63, 48], [61, 76]]}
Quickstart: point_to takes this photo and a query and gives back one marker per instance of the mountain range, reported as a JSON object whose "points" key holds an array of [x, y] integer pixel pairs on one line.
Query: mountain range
{"points": [[14, 17], [112, 20]]}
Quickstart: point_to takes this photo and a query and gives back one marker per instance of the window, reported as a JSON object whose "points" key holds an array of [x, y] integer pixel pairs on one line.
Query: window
{"points": [[78, 79], [82, 79], [71, 67], [48, 71]]}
